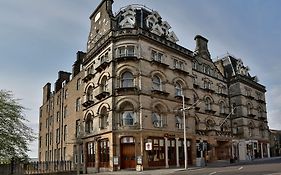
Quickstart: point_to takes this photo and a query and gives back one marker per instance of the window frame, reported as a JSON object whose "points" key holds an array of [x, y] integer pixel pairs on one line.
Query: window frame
{"points": [[127, 81], [156, 85]]}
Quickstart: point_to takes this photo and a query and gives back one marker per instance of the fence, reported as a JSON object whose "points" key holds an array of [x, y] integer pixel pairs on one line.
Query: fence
{"points": [[54, 167]]}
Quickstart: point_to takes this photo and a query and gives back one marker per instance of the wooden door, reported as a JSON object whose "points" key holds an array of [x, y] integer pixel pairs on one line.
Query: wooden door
{"points": [[172, 156], [128, 159]]}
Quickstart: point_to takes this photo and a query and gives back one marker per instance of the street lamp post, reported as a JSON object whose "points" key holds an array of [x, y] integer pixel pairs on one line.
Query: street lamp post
{"points": [[184, 127], [184, 133]]}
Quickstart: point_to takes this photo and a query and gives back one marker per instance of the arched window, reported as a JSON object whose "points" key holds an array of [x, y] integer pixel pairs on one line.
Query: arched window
{"points": [[158, 116], [178, 88], [128, 116], [235, 128], [103, 118], [197, 122], [127, 79], [222, 107], [104, 84], [262, 131], [251, 129], [89, 124], [208, 104], [90, 96], [157, 120], [179, 122], [249, 109], [260, 112], [234, 109], [156, 83]]}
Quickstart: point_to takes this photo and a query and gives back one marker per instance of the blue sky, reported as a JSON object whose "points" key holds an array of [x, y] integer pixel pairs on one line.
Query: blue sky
{"points": [[39, 38]]}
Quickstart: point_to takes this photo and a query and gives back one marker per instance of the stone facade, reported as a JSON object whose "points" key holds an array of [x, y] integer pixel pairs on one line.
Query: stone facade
{"points": [[123, 104], [275, 142]]}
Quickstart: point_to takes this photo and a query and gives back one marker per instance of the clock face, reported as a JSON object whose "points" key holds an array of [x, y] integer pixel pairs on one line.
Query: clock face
{"points": [[100, 25], [97, 17]]}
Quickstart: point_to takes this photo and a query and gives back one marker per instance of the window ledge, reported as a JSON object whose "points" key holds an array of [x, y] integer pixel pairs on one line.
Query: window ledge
{"points": [[251, 115], [126, 58], [180, 71], [102, 95], [179, 97], [196, 86], [159, 63], [208, 90], [160, 92], [102, 66], [121, 90], [88, 77], [87, 103], [210, 111]]}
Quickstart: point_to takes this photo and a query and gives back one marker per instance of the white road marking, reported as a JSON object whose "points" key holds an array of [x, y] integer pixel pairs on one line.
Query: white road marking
{"points": [[212, 173], [240, 168]]}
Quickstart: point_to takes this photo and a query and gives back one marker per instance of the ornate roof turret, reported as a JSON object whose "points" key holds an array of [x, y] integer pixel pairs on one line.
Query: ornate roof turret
{"points": [[134, 16]]}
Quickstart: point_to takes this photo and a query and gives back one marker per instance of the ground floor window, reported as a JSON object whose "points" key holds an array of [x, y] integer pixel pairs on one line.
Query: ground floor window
{"points": [[104, 153], [77, 155], [156, 156], [91, 154]]}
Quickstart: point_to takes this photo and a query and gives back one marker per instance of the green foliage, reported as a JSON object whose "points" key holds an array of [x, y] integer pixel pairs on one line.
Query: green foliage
{"points": [[15, 135]]}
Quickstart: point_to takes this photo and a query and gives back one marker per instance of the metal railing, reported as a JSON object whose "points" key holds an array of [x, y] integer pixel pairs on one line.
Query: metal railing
{"points": [[37, 167]]}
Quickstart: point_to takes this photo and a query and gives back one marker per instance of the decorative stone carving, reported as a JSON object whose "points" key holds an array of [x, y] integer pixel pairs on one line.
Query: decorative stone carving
{"points": [[129, 18]]}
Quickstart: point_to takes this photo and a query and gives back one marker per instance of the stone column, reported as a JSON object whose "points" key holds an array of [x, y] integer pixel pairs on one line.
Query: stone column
{"points": [[261, 150], [268, 150], [97, 161], [177, 152], [253, 150], [166, 152]]}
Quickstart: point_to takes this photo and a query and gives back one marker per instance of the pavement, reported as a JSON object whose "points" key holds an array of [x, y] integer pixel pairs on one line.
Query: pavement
{"points": [[165, 171]]}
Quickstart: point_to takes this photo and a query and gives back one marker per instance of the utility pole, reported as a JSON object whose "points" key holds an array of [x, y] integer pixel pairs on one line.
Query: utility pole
{"points": [[184, 133], [184, 127]]}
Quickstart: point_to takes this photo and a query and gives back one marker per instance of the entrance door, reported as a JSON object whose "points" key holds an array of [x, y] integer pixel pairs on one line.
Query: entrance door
{"points": [[128, 156], [127, 150], [222, 150], [172, 152]]}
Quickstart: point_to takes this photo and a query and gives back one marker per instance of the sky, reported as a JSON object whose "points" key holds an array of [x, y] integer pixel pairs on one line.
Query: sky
{"points": [[39, 38]]}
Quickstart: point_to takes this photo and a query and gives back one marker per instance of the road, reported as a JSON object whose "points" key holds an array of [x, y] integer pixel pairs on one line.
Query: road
{"points": [[269, 167]]}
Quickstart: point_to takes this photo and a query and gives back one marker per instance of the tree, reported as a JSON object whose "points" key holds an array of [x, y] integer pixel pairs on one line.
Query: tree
{"points": [[15, 135]]}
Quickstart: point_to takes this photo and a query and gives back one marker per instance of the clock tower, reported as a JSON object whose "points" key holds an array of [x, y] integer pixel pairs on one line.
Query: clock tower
{"points": [[101, 22]]}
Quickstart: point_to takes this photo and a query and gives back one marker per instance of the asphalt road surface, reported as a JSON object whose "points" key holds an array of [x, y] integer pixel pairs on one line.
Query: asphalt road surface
{"points": [[269, 167]]}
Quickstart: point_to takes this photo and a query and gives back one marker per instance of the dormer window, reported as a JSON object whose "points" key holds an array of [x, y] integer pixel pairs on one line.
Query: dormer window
{"points": [[150, 24], [129, 19]]}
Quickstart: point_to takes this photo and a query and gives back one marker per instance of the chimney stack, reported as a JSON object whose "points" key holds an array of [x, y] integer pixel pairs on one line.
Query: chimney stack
{"points": [[202, 46]]}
